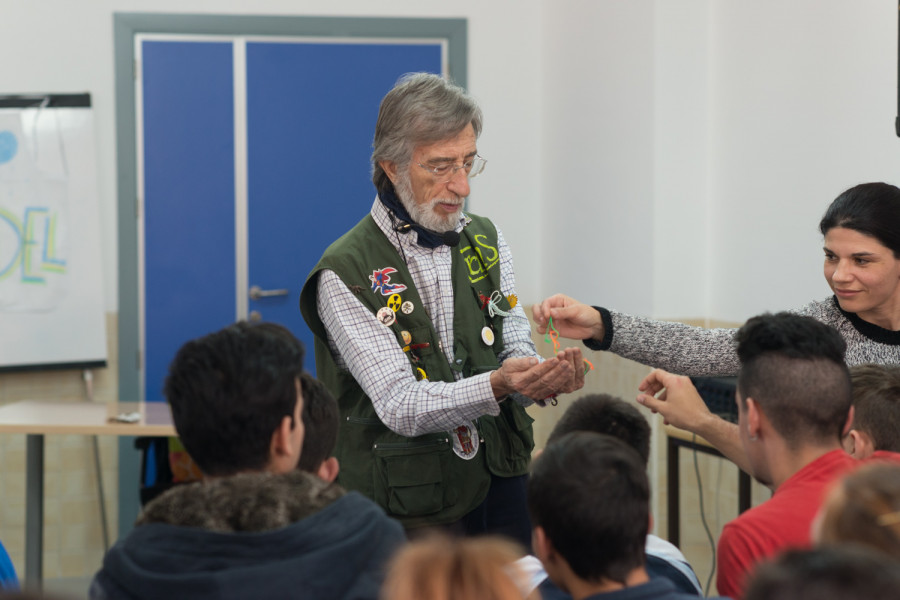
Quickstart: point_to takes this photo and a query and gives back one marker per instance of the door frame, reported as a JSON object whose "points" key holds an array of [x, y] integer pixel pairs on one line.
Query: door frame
{"points": [[126, 26]]}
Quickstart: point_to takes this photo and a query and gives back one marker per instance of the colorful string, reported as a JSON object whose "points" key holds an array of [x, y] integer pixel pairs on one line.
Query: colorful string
{"points": [[552, 335]]}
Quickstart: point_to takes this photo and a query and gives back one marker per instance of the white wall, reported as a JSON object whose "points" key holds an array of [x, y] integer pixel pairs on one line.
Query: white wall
{"points": [[598, 120], [66, 46], [665, 157], [803, 107], [681, 216], [706, 202]]}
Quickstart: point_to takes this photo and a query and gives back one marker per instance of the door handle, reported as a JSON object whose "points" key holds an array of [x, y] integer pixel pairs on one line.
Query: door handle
{"points": [[256, 293]]}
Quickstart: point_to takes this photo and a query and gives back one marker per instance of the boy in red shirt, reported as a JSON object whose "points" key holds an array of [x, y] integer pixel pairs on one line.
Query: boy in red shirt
{"points": [[794, 407]]}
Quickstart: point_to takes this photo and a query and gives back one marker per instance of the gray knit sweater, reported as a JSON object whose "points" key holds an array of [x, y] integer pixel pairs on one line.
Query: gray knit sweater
{"points": [[700, 352]]}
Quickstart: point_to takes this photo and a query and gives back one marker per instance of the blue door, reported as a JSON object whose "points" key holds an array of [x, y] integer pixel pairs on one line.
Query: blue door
{"points": [[255, 158]]}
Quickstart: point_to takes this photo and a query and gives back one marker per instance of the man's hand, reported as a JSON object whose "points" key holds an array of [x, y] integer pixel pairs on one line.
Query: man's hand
{"points": [[571, 318], [539, 380], [675, 398], [574, 357]]}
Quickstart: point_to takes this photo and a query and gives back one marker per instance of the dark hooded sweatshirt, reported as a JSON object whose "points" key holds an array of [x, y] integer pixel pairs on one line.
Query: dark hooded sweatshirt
{"points": [[253, 536]]}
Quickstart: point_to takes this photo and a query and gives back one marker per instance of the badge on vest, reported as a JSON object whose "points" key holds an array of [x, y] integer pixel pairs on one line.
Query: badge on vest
{"points": [[381, 278], [394, 302], [465, 441], [386, 316]]}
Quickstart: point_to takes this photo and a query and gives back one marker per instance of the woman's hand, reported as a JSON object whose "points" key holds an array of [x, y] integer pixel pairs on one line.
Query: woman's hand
{"points": [[572, 319]]}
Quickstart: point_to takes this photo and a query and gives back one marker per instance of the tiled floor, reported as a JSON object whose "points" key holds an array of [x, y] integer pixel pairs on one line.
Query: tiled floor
{"points": [[73, 588]]}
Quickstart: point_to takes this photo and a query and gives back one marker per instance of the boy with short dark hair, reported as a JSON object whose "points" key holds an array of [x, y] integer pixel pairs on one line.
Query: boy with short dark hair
{"points": [[589, 500], [256, 526], [794, 397], [321, 418], [876, 412], [602, 413], [847, 572]]}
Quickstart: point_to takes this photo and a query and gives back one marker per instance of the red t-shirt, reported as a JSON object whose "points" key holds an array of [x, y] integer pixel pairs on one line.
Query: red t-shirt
{"points": [[781, 522], [884, 455]]}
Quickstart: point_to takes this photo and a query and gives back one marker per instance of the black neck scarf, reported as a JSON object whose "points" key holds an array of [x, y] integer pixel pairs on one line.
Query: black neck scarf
{"points": [[388, 197]]}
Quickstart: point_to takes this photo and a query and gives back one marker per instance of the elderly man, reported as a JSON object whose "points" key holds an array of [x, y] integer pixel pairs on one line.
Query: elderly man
{"points": [[418, 333]]}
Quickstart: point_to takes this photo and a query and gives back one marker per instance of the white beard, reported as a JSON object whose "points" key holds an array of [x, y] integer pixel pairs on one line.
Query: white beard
{"points": [[425, 215]]}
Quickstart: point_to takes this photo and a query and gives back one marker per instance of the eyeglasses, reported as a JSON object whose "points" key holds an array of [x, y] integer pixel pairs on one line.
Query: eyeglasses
{"points": [[446, 171]]}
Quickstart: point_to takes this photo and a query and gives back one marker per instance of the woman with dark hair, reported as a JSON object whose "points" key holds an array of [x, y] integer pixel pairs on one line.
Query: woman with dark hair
{"points": [[864, 222], [862, 265]]}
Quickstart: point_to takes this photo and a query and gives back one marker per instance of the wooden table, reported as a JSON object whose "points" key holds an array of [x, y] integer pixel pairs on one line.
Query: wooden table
{"points": [[679, 438], [36, 419]]}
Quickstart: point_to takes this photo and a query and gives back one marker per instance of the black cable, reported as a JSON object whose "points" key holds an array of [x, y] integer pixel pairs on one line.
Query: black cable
{"points": [[709, 535]]}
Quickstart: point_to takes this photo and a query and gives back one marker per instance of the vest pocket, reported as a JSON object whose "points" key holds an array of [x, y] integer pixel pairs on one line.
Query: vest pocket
{"points": [[509, 440], [522, 424], [356, 437], [409, 477]]}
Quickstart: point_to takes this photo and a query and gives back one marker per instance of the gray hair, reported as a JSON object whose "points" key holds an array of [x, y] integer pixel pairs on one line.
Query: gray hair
{"points": [[422, 108]]}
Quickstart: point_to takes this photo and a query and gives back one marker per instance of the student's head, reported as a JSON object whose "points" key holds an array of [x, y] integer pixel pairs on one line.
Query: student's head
{"points": [[876, 410], [794, 379], [438, 567], [872, 209], [426, 124], [236, 400], [320, 421], [602, 413], [589, 500], [834, 573], [863, 508]]}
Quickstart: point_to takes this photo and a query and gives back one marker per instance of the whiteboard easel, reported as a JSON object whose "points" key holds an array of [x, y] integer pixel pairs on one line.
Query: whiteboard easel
{"points": [[51, 290]]}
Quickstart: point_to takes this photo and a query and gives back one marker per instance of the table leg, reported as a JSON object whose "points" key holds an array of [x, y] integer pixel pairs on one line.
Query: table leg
{"points": [[672, 490], [743, 491], [34, 511]]}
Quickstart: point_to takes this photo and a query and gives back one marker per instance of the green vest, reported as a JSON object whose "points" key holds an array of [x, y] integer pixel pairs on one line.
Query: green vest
{"points": [[421, 480]]}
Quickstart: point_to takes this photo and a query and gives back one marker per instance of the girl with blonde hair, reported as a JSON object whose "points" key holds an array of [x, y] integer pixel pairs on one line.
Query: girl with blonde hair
{"points": [[438, 567], [863, 508]]}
